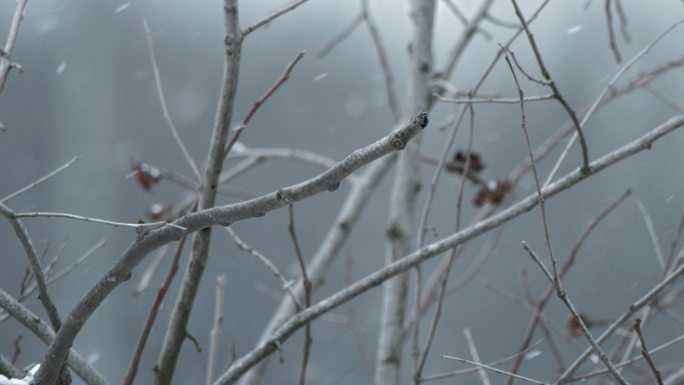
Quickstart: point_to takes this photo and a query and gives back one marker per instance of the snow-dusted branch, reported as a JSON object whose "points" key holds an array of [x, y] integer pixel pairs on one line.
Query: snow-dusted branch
{"points": [[43, 331]]}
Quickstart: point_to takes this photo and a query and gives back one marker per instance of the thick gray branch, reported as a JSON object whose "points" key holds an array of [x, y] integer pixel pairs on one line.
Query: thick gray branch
{"points": [[34, 324], [223, 215], [375, 279]]}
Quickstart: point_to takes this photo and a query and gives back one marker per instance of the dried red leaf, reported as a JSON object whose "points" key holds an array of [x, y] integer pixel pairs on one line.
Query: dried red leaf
{"points": [[494, 192], [144, 175], [476, 164]]}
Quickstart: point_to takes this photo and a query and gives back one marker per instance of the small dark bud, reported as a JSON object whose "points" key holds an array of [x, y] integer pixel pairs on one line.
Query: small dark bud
{"points": [[334, 187], [422, 119]]}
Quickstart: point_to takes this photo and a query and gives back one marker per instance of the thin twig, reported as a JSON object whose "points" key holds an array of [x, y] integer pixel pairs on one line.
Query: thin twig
{"points": [[287, 284], [496, 370], [675, 243], [440, 376], [328, 47], [215, 334], [40, 180], [466, 37], [586, 376], [542, 206], [271, 343], [266, 20], [495, 100], [554, 88], [652, 234], [149, 271], [353, 325], [578, 318], [476, 356], [382, 57], [255, 107], [646, 354], [308, 340], [6, 51], [568, 264], [623, 21], [604, 93], [165, 110], [464, 20], [611, 31], [153, 313], [44, 214], [86, 254], [34, 262]]}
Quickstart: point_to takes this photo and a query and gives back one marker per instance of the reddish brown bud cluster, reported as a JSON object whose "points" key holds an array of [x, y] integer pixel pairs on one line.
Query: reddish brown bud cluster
{"points": [[494, 192], [144, 175]]}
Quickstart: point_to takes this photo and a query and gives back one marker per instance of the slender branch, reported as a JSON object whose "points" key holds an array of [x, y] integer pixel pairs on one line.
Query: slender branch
{"points": [[340, 37], [215, 334], [275, 339], [266, 20], [476, 356], [137, 226], [165, 110], [152, 314], [354, 326], [44, 332], [223, 215], [569, 262], [652, 234], [554, 88], [464, 20], [646, 354], [324, 257], [611, 32], [586, 376], [176, 331], [308, 340], [36, 268], [287, 284], [6, 50], [8, 369], [382, 57], [466, 37], [440, 376], [495, 100], [578, 318], [40, 180], [495, 370], [604, 93], [632, 309], [542, 206], [255, 107]]}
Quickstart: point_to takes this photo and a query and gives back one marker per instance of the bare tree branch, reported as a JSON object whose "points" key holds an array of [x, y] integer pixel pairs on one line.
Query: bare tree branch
{"points": [[271, 343], [176, 331], [165, 110], [223, 215], [6, 51], [43, 331], [34, 262], [40, 180]]}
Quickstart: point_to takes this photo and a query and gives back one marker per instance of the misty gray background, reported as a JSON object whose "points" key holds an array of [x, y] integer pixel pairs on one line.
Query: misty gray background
{"points": [[88, 90]]}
